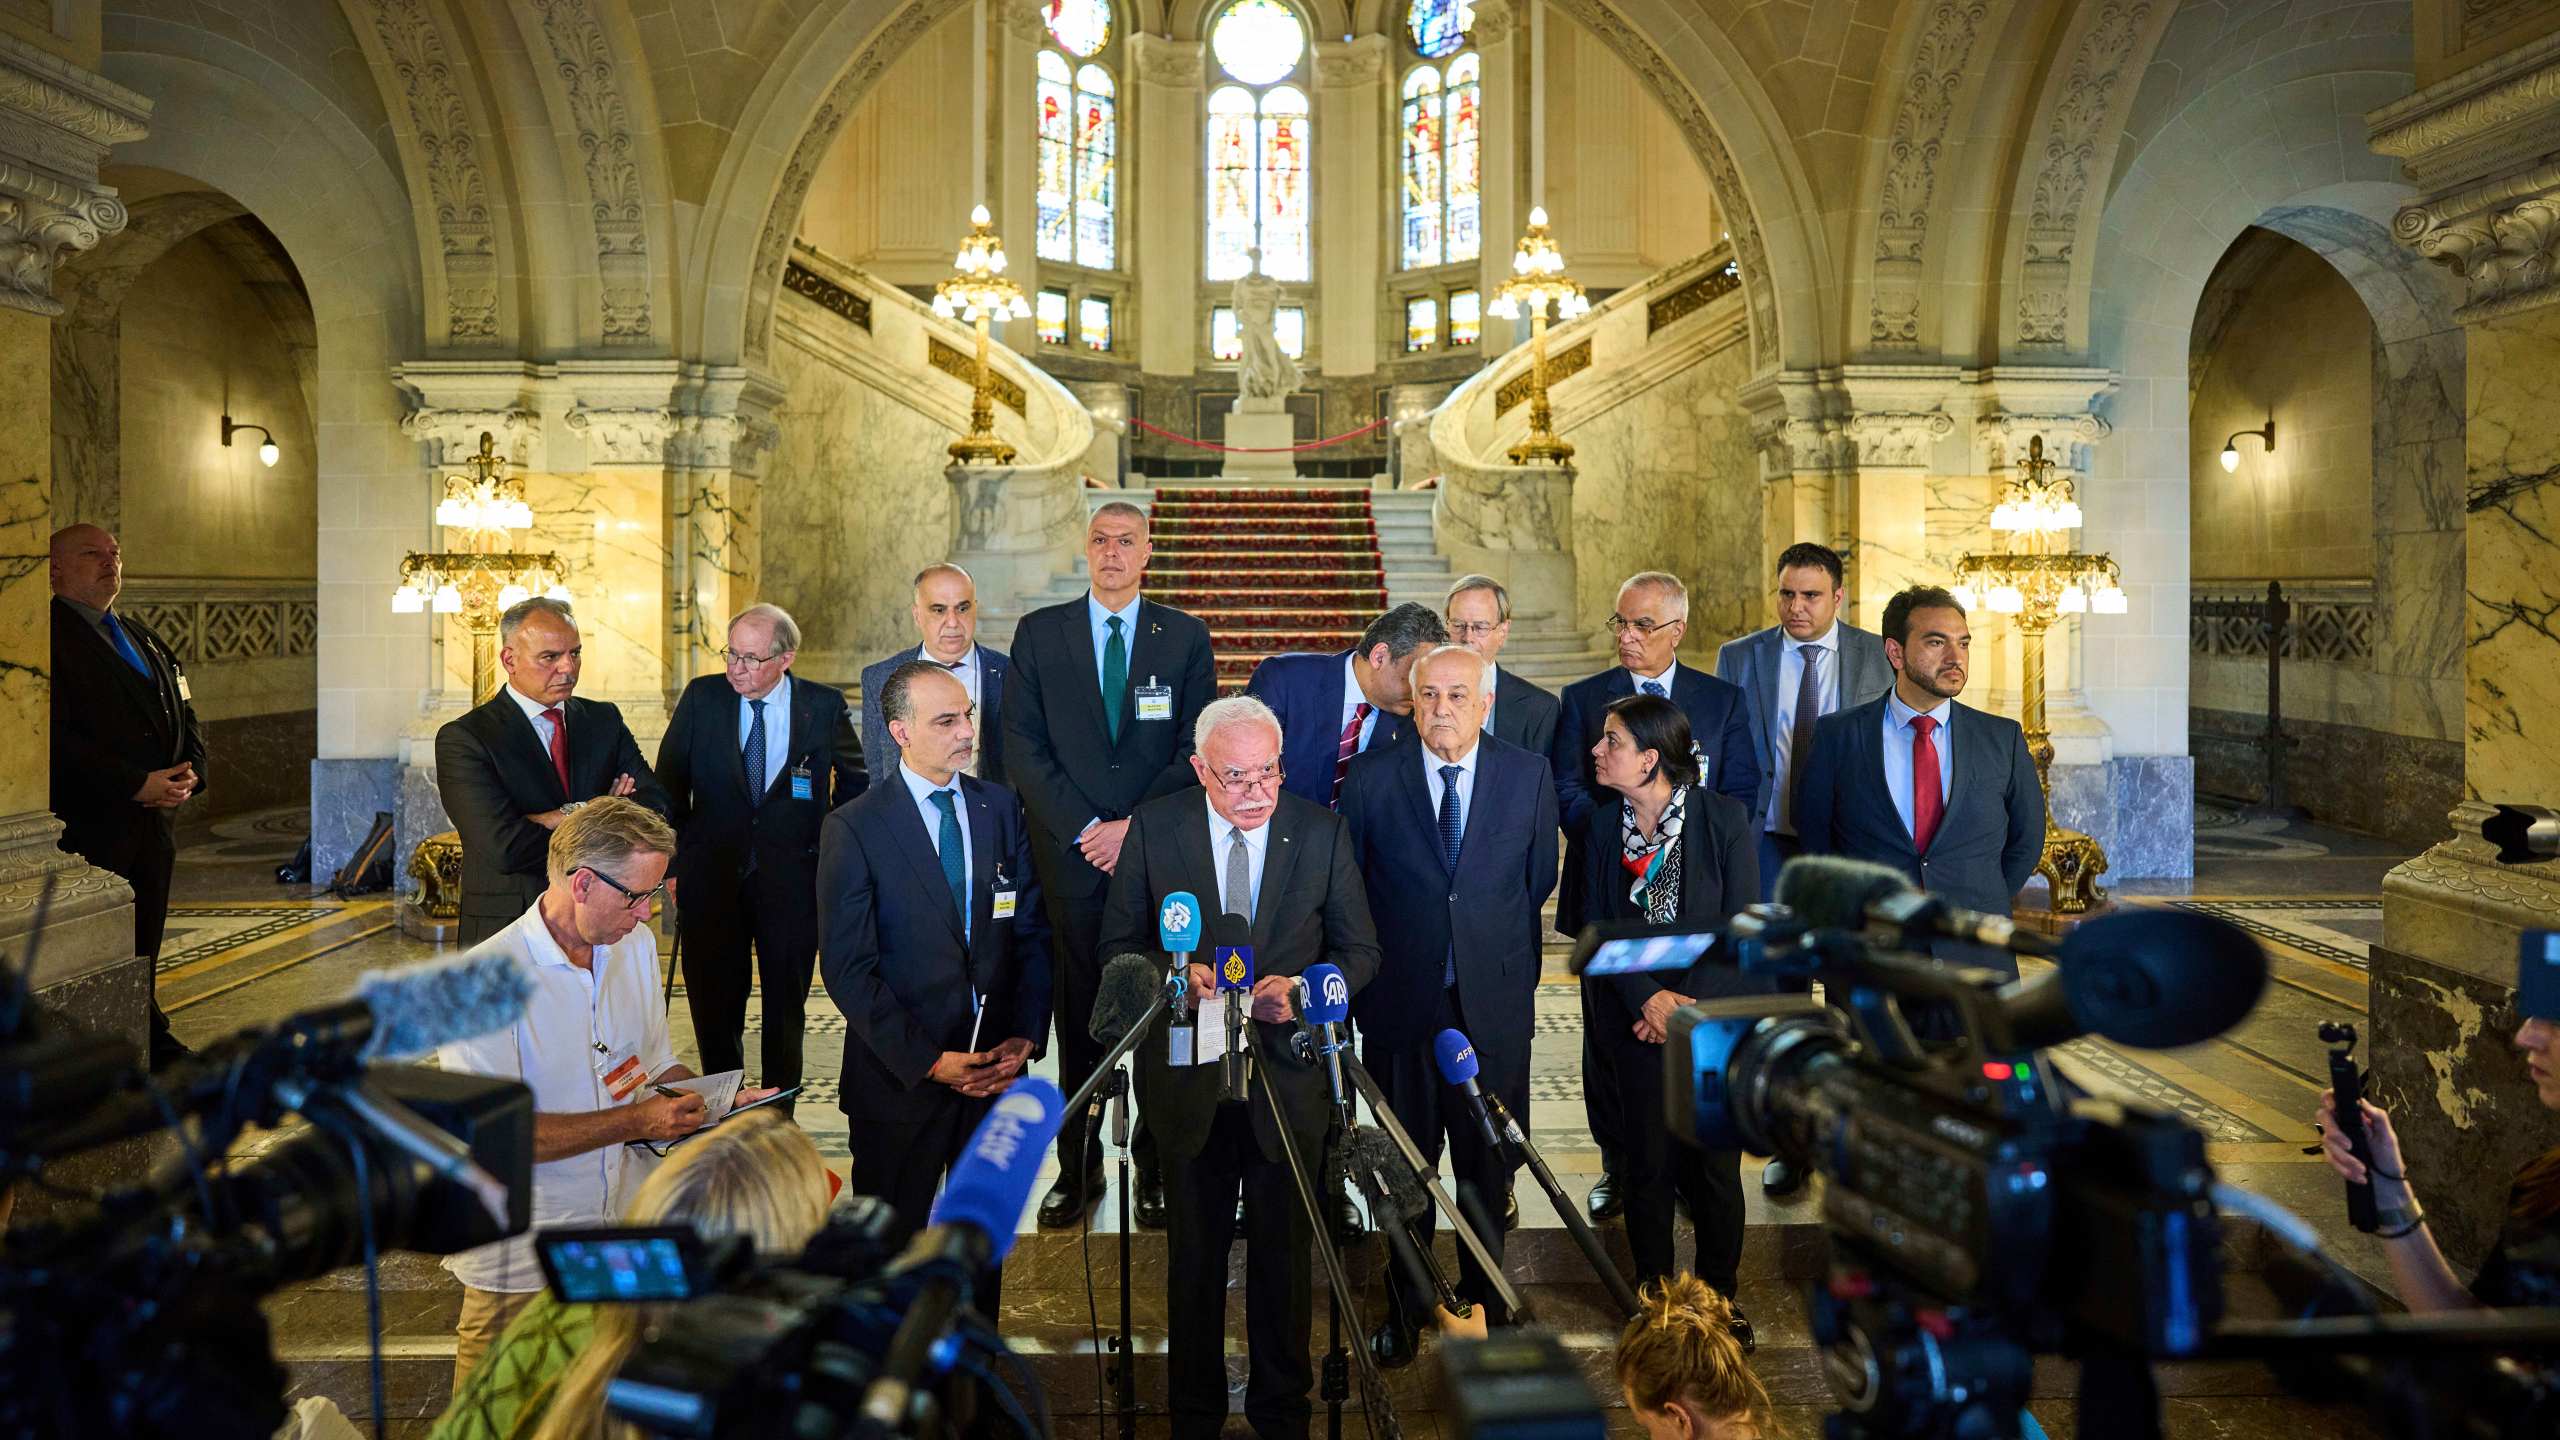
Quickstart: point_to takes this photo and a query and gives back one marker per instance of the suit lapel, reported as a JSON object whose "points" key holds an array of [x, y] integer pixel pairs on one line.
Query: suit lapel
{"points": [[1869, 735], [982, 868], [737, 733], [1966, 736], [915, 844], [1279, 858], [991, 688], [1200, 857], [526, 737], [1411, 783], [1089, 669]]}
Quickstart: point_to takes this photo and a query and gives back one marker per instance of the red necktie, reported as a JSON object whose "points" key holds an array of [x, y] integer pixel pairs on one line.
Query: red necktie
{"points": [[1928, 802], [1349, 747], [559, 748]]}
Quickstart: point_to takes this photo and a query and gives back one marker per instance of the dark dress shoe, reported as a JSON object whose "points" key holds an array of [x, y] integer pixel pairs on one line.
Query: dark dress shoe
{"points": [[1394, 1343], [1741, 1328], [1779, 1178], [1066, 1203], [1510, 1212], [1604, 1200], [1151, 1202]]}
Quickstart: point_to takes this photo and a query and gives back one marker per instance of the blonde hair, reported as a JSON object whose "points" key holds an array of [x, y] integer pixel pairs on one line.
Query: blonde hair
{"points": [[1681, 1346], [605, 832], [757, 1177]]}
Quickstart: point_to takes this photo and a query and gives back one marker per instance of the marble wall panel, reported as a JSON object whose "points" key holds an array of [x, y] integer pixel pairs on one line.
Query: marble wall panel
{"points": [[2403, 784], [2083, 798], [609, 529], [1670, 481], [2155, 819], [345, 796], [26, 542], [2512, 673], [254, 762], [853, 504], [2458, 1094], [114, 1001], [86, 436]]}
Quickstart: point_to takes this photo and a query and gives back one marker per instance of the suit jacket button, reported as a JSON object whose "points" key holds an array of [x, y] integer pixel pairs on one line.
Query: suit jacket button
{"points": [[1453, 899]]}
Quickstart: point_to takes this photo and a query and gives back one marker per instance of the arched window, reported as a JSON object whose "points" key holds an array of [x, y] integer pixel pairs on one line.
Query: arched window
{"points": [[1078, 172], [1258, 159], [1442, 137]]}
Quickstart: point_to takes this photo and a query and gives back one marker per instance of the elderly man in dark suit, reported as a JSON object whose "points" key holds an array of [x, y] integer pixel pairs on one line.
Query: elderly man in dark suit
{"points": [[1479, 614], [1338, 705], [1651, 617], [128, 751], [1098, 714], [1284, 864], [1940, 791], [946, 618], [512, 768], [1453, 811], [937, 950], [753, 760]]}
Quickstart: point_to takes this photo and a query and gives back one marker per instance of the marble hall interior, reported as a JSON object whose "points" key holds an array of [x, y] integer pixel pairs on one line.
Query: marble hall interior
{"points": [[2269, 285]]}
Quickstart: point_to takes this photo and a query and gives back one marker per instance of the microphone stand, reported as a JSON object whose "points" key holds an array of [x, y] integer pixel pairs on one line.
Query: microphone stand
{"points": [[1610, 1279], [1125, 1368], [1120, 1050], [1336, 1385], [1373, 1387], [1512, 1304]]}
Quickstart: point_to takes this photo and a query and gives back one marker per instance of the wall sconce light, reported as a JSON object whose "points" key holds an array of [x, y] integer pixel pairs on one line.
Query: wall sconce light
{"points": [[2231, 447], [268, 454]]}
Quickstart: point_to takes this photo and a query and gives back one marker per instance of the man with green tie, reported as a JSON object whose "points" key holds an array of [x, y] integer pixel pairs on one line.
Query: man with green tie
{"points": [[1097, 718]]}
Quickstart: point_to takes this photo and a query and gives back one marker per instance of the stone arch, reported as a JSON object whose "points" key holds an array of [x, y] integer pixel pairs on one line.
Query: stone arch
{"points": [[734, 267]]}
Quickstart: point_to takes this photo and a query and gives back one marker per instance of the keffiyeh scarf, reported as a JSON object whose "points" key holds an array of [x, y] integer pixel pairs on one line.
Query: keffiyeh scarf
{"points": [[1655, 863]]}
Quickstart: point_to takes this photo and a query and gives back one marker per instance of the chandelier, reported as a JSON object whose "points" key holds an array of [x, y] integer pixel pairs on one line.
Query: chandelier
{"points": [[483, 578], [1538, 282], [978, 295]]}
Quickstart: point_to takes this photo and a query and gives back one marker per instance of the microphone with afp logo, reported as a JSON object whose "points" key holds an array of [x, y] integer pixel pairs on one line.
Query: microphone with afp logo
{"points": [[1231, 957]]}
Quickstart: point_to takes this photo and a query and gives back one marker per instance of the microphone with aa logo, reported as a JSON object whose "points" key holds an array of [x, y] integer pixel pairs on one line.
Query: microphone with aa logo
{"points": [[1457, 1057], [1323, 1000]]}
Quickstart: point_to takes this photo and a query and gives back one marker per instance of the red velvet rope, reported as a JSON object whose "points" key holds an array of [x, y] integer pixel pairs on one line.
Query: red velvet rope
{"points": [[1257, 449]]}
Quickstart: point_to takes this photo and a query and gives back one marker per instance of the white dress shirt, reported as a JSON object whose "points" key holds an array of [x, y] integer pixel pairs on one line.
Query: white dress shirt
{"points": [[1492, 695], [578, 1017], [922, 789], [1897, 752], [1669, 673], [533, 711], [1352, 700], [1782, 716], [1257, 846], [1433, 784], [777, 729]]}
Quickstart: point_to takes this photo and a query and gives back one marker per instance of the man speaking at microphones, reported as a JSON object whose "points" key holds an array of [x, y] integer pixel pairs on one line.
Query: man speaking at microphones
{"points": [[1462, 826], [1283, 866]]}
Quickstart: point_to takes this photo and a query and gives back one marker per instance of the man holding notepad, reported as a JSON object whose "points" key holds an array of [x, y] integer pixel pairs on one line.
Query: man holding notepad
{"points": [[933, 943], [591, 1045]]}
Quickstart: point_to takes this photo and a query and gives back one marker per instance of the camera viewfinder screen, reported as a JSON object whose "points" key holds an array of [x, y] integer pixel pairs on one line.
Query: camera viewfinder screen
{"points": [[608, 1269], [1639, 955]]}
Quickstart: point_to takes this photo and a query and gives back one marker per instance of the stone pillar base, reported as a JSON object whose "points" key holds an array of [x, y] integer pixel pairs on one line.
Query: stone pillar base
{"points": [[2444, 1062], [1262, 432]]}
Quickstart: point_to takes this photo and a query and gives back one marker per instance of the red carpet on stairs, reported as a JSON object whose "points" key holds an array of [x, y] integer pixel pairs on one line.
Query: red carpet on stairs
{"points": [[1267, 570]]}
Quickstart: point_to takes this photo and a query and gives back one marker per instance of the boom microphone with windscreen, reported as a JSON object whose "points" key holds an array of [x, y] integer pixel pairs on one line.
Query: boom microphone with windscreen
{"points": [[1829, 893]]}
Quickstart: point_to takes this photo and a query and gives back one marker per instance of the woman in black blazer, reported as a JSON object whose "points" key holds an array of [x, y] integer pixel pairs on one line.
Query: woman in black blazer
{"points": [[1671, 850]]}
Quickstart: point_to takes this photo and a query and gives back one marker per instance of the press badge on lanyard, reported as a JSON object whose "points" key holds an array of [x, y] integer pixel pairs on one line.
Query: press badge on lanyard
{"points": [[802, 785], [619, 1071], [1155, 702], [1004, 893]]}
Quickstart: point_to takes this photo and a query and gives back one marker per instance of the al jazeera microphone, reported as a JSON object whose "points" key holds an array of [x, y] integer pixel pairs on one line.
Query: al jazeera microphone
{"points": [[1231, 956]]}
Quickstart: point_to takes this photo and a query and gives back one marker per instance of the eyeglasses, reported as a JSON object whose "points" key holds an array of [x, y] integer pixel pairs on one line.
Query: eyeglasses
{"points": [[736, 659], [636, 899], [1464, 631], [1619, 624], [1240, 782]]}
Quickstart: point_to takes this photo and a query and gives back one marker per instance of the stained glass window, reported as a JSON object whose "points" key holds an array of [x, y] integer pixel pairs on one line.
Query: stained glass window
{"points": [[1056, 161], [1258, 41], [1466, 318], [1439, 26], [1421, 324], [1093, 322], [1288, 326], [1050, 314], [1082, 26], [1422, 201], [1259, 161], [1462, 165], [1097, 169]]}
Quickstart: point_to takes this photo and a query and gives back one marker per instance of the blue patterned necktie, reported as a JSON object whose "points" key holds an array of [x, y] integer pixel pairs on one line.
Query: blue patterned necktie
{"points": [[1115, 676], [755, 755], [1654, 689], [1452, 828], [124, 644], [955, 862]]}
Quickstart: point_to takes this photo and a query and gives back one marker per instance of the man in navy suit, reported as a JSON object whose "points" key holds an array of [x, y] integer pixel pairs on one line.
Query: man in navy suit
{"points": [[1942, 792], [1098, 712], [946, 616], [936, 948], [1651, 617], [753, 760], [1454, 811], [1479, 614], [1332, 707]]}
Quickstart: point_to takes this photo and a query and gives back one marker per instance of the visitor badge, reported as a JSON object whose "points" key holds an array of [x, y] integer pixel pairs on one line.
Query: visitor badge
{"points": [[1004, 905], [802, 787], [621, 1073], [1155, 702]]}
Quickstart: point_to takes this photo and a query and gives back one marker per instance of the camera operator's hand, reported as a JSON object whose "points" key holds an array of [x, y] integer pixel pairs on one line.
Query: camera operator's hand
{"points": [[1653, 1027], [669, 1117], [2378, 1138], [1470, 1326]]}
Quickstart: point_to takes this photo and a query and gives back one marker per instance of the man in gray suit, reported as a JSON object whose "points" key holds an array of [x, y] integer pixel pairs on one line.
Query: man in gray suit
{"points": [[1808, 665], [946, 616], [1478, 610], [1942, 792]]}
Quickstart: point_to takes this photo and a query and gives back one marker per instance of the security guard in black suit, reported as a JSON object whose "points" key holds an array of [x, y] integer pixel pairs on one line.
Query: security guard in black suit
{"points": [[127, 749], [753, 760]]}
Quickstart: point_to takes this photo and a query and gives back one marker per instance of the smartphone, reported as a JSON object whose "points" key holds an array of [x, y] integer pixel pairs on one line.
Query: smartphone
{"points": [[621, 1264], [737, 1110], [1640, 954]]}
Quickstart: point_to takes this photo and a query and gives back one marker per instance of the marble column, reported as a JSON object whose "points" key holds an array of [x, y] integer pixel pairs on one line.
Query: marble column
{"points": [[58, 119], [1882, 495], [2443, 979], [1352, 187], [1514, 523], [1801, 447]]}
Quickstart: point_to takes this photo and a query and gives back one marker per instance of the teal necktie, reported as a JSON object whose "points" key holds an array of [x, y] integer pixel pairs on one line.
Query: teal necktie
{"points": [[955, 859], [1115, 676]]}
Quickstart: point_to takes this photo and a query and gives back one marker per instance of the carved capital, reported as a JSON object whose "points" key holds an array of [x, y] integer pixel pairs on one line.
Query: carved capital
{"points": [[1898, 437], [57, 122], [1160, 61], [453, 435], [35, 235], [1024, 20], [2503, 251], [2068, 439], [623, 436], [1493, 23], [1344, 64]]}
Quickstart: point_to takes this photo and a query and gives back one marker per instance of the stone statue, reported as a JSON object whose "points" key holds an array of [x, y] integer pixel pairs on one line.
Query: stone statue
{"points": [[1266, 376]]}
